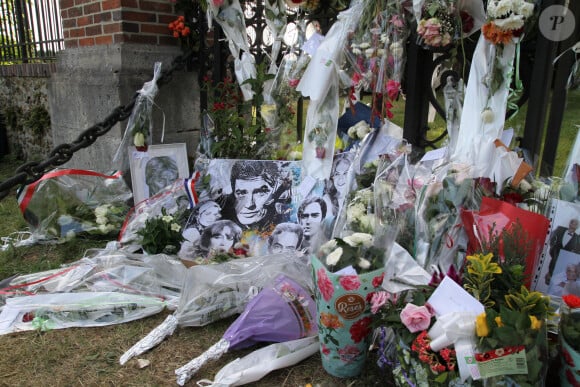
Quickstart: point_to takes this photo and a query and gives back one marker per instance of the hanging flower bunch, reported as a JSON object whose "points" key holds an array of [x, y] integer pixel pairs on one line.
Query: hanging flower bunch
{"points": [[441, 23], [506, 20]]}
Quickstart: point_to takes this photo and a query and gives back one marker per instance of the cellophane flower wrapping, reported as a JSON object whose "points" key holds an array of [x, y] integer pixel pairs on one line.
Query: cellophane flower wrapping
{"points": [[281, 117], [439, 234], [139, 128], [68, 202], [173, 201], [282, 311], [569, 337]]}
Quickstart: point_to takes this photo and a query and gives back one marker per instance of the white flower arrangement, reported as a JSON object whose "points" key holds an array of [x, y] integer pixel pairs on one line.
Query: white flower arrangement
{"points": [[356, 250], [359, 130]]}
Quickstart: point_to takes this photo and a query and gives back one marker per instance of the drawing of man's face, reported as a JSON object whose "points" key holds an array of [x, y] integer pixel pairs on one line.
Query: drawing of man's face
{"points": [[310, 219], [251, 197], [340, 172], [284, 241]]}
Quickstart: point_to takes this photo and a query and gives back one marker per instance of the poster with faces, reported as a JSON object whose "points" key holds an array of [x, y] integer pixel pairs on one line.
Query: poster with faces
{"points": [[266, 205]]}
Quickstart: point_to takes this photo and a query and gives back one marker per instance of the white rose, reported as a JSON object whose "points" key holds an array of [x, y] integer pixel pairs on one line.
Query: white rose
{"points": [[352, 132], [101, 210], [356, 51], [354, 212], [362, 131], [359, 239], [364, 263], [102, 220], [333, 258], [369, 52], [396, 49], [139, 139], [328, 246], [524, 185], [502, 8], [364, 45], [514, 22], [487, 116], [384, 38], [367, 222], [381, 52]]}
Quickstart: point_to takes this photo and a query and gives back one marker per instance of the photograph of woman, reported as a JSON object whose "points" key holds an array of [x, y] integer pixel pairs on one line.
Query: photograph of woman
{"points": [[220, 236], [202, 215]]}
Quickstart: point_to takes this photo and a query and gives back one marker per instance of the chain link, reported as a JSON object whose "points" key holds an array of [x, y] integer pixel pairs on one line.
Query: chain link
{"points": [[32, 171]]}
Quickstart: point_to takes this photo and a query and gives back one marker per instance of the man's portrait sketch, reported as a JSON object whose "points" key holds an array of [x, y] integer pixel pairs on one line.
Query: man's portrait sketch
{"points": [[160, 172], [257, 189], [311, 215], [285, 237], [562, 238]]}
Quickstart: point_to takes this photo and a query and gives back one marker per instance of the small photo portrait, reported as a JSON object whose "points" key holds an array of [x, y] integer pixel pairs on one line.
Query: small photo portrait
{"points": [[157, 168], [561, 250], [286, 237]]}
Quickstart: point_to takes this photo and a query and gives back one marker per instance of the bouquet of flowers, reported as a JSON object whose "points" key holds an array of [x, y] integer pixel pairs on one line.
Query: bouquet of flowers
{"points": [[569, 332], [161, 234], [513, 327]]}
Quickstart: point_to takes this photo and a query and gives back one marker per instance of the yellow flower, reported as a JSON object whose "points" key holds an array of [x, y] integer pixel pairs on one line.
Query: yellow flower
{"points": [[481, 264], [498, 321], [481, 328], [536, 324]]}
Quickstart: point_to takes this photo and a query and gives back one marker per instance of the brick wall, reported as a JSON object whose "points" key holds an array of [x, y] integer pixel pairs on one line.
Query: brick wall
{"points": [[89, 22]]}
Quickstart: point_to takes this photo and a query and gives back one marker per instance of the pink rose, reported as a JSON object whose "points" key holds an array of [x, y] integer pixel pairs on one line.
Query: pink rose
{"points": [[416, 318], [293, 82], [324, 285], [379, 299], [393, 88], [349, 282]]}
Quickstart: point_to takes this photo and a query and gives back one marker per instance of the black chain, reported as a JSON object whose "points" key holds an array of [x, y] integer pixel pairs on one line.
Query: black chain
{"points": [[32, 171]]}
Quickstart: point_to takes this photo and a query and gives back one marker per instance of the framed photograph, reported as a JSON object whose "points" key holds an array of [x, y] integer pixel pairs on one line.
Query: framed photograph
{"points": [[558, 272], [157, 168]]}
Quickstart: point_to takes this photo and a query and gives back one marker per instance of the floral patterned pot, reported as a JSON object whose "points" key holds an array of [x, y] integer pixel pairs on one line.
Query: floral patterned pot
{"points": [[570, 369], [344, 318]]}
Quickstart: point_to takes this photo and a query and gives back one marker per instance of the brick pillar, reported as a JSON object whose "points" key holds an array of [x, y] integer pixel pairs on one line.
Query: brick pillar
{"points": [[111, 50], [89, 23]]}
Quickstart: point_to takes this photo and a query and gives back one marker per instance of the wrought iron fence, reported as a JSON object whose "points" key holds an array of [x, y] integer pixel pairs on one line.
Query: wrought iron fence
{"points": [[30, 31]]}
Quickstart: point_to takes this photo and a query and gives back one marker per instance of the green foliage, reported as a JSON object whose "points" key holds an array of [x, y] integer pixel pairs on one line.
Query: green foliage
{"points": [[161, 234], [37, 119]]}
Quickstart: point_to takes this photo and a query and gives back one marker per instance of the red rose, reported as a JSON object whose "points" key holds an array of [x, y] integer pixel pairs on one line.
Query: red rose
{"points": [[349, 282], [378, 280], [572, 300], [324, 285], [360, 329], [467, 21]]}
